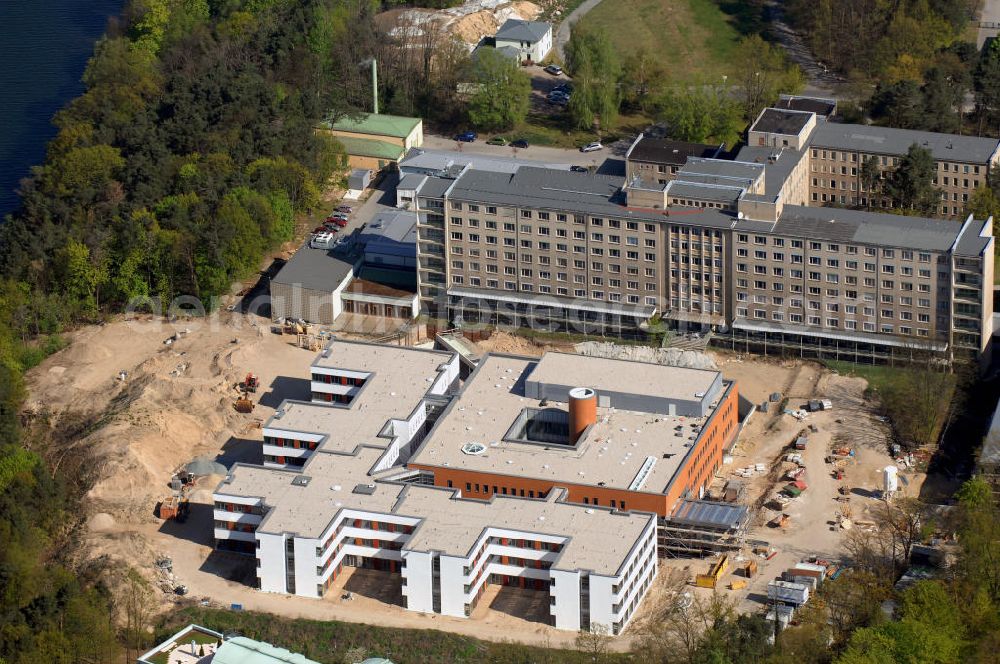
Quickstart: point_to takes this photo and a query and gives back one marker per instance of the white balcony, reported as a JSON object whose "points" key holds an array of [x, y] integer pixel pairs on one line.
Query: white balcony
{"points": [[239, 535], [237, 517]]}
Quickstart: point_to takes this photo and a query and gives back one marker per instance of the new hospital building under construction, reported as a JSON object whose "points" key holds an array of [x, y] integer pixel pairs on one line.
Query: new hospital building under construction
{"points": [[567, 474]]}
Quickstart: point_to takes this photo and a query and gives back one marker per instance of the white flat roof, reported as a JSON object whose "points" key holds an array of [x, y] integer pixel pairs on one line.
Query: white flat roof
{"points": [[305, 502], [625, 376], [612, 453], [597, 539], [400, 378], [306, 509]]}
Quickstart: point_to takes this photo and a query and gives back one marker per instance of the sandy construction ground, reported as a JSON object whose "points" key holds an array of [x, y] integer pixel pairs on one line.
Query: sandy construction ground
{"points": [[176, 404], [813, 529]]}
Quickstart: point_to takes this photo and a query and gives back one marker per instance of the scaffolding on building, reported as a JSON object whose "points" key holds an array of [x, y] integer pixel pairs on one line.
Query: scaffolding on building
{"points": [[703, 527]]}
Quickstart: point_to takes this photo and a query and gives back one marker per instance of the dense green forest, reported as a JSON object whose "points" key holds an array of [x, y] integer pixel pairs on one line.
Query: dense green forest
{"points": [[909, 63], [184, 161]]}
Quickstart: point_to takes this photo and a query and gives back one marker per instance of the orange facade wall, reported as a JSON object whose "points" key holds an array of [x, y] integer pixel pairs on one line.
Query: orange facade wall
{"points": [[696, 472]]}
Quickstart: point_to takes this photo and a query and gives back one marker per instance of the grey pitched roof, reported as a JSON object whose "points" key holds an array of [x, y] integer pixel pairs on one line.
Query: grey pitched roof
{"points": [[890, 230], [435, 187], [517, 30], [411, 181], [720, 193], [892, 141], [778, 165], [724, 168], [665, 151], [971, 243], [316, 269], [781, 121], [433, 161], [392, 225], [571, 192]]}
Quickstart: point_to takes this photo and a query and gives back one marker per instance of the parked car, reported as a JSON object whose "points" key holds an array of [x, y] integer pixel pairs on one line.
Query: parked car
{"points": [[346, 209], [466, 137], [497, 140], [335, 217], [592, 147], [320, 229], [555, 70], [519, 143], [337, 223], [579, 169], [564, 87]]}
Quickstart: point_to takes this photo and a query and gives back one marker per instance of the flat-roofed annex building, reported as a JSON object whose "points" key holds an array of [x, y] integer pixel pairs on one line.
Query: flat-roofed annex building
{"points": [[352, 501]]}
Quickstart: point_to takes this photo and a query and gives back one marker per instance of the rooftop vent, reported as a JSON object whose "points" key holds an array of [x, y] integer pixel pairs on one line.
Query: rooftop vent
{"points": [[364, 489], [473, 448], [301, 480]]}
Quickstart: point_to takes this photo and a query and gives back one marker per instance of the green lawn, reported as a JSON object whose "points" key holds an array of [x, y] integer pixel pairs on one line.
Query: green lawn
{"points": [[696, 38], [554, 130]]}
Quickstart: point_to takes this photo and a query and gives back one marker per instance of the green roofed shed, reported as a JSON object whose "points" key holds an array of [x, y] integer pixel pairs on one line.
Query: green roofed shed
{"points": [[378, 124], [370, 147]]}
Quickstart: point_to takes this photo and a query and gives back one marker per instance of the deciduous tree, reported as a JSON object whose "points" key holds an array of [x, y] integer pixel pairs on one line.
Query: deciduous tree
{"points": [[502, 98]]}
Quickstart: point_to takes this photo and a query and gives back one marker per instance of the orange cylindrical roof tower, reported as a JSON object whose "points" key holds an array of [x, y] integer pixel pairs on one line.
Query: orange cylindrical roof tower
{"points": [[582, 411]]}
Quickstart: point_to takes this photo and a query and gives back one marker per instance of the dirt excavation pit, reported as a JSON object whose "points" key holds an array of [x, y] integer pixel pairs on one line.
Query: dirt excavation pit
{"points": [[150, 407]]}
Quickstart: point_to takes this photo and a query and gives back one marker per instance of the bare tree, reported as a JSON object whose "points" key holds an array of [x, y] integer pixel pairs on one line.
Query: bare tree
{"points": [[135, 603], [594, 642], [674, 631]]}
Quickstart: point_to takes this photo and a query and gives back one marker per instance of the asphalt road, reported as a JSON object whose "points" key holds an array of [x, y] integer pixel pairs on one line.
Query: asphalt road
{"points": [[563, 32]]}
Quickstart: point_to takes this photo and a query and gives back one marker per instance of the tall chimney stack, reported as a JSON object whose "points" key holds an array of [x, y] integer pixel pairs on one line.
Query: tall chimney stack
{"points": [[582, 411]]}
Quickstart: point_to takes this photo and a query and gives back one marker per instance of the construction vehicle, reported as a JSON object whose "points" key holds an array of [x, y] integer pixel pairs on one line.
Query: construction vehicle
{"points": [[780, 521], [249, 383], [174, 506], [715, 573], [243, 404]]}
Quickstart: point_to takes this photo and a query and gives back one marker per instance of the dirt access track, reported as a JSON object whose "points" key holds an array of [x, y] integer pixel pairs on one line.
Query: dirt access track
{"points": [[175, 404]]}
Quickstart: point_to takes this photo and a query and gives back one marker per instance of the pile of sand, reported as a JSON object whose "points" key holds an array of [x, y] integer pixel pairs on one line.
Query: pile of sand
{"points": [[101, 522], [672, 357], [470, 21], [473, 27]]}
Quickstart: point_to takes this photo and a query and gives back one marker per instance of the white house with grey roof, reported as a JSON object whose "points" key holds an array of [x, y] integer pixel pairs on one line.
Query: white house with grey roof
{"points": [[525, 40]]}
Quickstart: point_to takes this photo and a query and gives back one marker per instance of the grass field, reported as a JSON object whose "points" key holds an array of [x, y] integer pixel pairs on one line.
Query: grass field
{"points": [[554, 130], [329, 641], [696, 38]]}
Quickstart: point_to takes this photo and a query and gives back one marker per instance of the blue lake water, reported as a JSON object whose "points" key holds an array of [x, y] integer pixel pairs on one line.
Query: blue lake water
{"points": [[44, 46]]}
